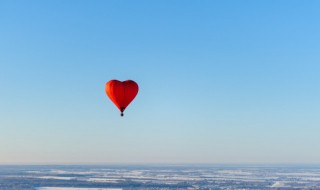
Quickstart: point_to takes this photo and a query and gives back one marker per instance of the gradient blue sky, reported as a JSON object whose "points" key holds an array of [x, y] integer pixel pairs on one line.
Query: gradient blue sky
{"points": [[220, 81]]}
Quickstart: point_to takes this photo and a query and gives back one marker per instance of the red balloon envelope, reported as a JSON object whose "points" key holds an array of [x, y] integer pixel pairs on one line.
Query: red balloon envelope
{"points": [[122, 93]]}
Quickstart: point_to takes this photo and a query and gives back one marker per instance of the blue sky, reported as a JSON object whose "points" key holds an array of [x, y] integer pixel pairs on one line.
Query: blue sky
{"points": [[220, 81]]}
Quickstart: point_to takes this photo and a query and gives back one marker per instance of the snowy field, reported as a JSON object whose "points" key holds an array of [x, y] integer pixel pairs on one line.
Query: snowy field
{"points": [[158, 177], [72, 188]]}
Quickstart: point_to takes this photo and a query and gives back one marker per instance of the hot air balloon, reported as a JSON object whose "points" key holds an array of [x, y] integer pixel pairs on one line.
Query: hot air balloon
{"points": [[121, 93]]}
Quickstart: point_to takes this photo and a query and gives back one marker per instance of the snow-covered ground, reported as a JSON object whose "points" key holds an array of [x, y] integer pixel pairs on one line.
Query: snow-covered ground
{"points": [[73, 188], [156, 177]]}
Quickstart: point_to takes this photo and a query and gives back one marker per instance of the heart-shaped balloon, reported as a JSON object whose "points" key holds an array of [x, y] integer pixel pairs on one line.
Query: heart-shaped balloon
{"points": [[122, 93]]}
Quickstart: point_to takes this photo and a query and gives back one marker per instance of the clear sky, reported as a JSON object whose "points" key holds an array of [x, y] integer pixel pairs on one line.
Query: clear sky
{"points": [[220, 81]]}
